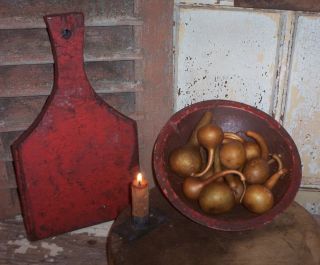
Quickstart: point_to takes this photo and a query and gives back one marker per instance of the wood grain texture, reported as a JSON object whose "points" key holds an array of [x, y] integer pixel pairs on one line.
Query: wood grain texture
{"points": [[156, 100], [297, 5], [27, 75], [18, 113], [11, 208], [29, 13], [68, 249], [7, 138], [292, 238], [75, 163], [7, 176], [32, 46], [30, 80]]}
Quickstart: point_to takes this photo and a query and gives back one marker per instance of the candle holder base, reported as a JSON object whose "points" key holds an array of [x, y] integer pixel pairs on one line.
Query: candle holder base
{"points": [[135, 228], [140, 222]]}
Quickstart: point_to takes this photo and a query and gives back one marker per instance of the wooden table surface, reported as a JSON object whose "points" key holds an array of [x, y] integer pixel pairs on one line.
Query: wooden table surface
{"points": [[291, 238], [82, 247], [173, 243]]}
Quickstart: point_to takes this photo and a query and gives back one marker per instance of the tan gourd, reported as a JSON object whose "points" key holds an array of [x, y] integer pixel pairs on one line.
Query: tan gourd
{"points": [[209, 136], [236, 186], [252, 150], [259, 198], [186, 159], [256, 171], [232, 155], [261, 142], [218, 197]]}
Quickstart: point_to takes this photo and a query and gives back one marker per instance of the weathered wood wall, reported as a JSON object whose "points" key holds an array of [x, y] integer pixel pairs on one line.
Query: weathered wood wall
{"points": [[127, 58]]}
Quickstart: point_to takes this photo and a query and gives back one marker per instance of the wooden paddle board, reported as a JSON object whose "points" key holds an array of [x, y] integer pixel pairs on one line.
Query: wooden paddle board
{"points": [[76, 161]]}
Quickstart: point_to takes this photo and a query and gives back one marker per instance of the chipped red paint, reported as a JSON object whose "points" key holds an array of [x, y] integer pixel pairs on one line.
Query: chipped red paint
{"points": [[231, 116], [74, 164]]}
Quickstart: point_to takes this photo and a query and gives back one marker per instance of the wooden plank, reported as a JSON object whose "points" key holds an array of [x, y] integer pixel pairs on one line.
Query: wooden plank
{"points": [[296, 5], [5, 180], [77, 140], [7, 138], [83, 247], [18, 113], [29, 14], [11, 207], [91, 22], [31, 80], [3, 174], [7, 176], [31, 46], [157, 99]]}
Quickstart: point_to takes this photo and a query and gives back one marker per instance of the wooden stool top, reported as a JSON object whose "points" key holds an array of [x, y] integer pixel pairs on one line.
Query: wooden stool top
{"points": [[291, 238]]}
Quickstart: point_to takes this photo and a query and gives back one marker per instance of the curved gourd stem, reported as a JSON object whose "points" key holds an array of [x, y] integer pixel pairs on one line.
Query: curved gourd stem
{"points": [[272, 181], [262, 143], [192, 186], [234, 186], [279, 161], [230, 172], [227, 136], [206, 119], [216, 164], [271, 161], [208, 166], [209, 173], [230, 180], [243, 179]]}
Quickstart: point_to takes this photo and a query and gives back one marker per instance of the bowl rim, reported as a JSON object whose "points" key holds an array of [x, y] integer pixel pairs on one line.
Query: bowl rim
{"points": [[209, 221]]}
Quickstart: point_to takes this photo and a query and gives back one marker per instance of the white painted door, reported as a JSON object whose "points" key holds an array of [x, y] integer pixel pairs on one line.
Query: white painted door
{"points": [[266, 58]]}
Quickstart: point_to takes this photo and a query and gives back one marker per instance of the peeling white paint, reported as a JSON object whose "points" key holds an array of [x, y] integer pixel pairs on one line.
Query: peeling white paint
{"points": [[226, 54], [100, 230], [268, 59], [53, 248], [18, 218], [287, 30], [22, 244], [302, 118]]}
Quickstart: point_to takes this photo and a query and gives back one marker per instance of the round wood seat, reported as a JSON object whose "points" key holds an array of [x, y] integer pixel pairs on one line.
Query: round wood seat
{"points": [[291, 238]]}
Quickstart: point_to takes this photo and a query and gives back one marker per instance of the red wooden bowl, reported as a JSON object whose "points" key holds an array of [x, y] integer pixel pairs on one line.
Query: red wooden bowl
{"points": [[230, 116]]}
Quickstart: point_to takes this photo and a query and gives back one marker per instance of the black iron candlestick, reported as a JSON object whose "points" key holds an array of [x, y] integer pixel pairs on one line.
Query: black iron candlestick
{"points": [[134, 228]]}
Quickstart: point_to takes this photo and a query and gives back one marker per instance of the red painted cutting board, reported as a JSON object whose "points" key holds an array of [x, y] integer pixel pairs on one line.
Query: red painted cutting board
{"points": [[74, 164]]}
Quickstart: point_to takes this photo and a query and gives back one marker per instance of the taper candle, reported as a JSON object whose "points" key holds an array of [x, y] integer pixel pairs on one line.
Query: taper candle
{"points": [[140, 198]]}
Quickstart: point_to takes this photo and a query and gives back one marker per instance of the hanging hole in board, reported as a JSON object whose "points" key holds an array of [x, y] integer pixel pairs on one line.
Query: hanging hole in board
{"points": [[66, 33]]}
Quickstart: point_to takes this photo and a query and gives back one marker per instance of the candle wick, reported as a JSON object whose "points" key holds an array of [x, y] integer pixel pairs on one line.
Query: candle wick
{"points": [[139, 183]]}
